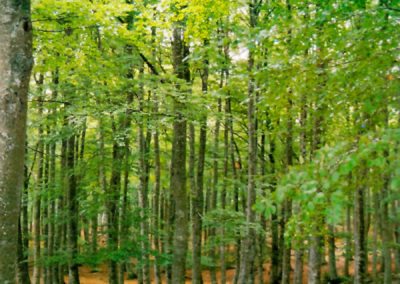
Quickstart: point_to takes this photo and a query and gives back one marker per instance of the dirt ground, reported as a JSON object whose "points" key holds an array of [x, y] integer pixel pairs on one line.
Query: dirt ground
{"points": [[88, 277]]}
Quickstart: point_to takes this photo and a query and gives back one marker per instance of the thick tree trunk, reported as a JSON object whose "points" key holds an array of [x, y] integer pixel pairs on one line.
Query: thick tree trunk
{"points": [[178, 164], [15, 66]]}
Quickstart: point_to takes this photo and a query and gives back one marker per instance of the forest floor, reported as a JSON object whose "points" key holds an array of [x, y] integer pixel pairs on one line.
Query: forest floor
{"points": [[101, 277]]}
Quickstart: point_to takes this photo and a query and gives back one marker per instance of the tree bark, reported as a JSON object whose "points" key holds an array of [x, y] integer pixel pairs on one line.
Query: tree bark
{"points": [[157, 199], [247, 254], [332, 255], [36, 218], [15, 67], [198, 199], [72, 207], [112, 204], [23, 233], [178, 162]]}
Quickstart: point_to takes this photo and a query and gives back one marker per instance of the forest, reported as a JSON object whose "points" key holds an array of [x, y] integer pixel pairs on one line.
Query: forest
{"points": [[199, 141]]}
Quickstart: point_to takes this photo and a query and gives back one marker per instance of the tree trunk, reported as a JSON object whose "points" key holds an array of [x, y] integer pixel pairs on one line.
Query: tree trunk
{"points": [[348, 245], [72, 207], [359, 235], [112, 204], [299, 252], [314, 261], [287, 205], [36, 218], [386, 234], [198, 199], [178, 163], [61, 229], [23, 233], [144, 145], [275, 251], [214, 193], [46, 200], [52, 211], [15, 67], [247, 254], [157, 198], [332, 255]]}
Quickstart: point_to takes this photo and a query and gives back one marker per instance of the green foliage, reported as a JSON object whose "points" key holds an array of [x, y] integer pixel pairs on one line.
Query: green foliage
{"points": [[321, 187]]}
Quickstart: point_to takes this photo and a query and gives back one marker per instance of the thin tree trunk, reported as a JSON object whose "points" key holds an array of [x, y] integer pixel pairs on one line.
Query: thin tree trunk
{"points": [[23, 237], [36, 218], [52, 212], [214, 193], [299, 252], [157, 203], [247, 254], [143, 193], [275, 251], [225, 186], [396, 232], [316, 240], [72, 207], [386, 234], [236, 168], [287, 205], [61, 229], [46, 198], [359, 234], [375, 238], [262, 235], [348, 245]]}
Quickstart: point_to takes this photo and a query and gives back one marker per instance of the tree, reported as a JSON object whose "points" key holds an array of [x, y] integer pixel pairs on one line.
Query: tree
{"points": [[15, 67], [178, 162]]}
